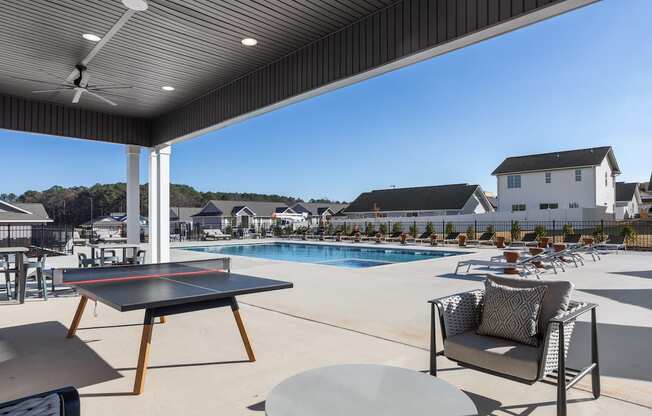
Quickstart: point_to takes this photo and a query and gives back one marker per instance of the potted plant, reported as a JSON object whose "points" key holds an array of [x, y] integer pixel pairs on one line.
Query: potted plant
{"points": [[630, 234], [403, 238], [449, 228], [599, 234], [369, 229], [470, 232], [382, 229], [542, 235], [397, 228], [515, 232], [461, 240], [433, 239], [413, 230], [356, 234], [429, 228]]}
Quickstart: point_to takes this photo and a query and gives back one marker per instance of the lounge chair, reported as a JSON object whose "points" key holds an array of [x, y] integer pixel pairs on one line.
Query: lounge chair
{"points": [[573, 240], [458, 316], [214, 234], [423, 238], [64, 401], [528, 240], [524, 266], [451, 238], [613, 243], [485, 238]]}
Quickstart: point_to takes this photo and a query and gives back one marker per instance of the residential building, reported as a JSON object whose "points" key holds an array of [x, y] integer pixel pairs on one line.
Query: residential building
{"points": [[246, 214], [425, 201], [183, 216], [628, 200], [17, 222], [559, 181], [318, 213], [645, 190]]}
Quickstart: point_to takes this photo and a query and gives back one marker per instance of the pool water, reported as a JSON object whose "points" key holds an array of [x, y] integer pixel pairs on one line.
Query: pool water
{"points": [[332, 255]]}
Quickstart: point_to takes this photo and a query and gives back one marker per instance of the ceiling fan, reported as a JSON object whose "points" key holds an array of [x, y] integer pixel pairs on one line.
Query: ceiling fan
{"points": [[78, 80]]}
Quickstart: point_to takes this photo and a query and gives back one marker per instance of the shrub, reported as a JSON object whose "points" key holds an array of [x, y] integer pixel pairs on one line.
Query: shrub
{"points": [[382, 228], [599, 234], [329, 228], [515, 231], [413, 230], [470, 232], [397, 227], [429, 228], [629, 233], [449, 228], [369, 229], [567, 230], [490, 229], [540, 231], [228, 230]]}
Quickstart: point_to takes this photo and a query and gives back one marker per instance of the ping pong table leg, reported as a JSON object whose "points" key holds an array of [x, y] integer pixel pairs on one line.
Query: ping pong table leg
{"points": [[243, 333], [145, 343], [162, 319], [78, 315]]}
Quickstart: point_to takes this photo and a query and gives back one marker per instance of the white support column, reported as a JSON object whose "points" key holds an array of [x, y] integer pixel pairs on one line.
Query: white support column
{"points": [[133, 194], [159, 204]]}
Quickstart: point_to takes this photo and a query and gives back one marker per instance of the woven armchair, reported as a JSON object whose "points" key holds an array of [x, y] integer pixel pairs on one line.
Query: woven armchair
{"points": [[459, 316]]}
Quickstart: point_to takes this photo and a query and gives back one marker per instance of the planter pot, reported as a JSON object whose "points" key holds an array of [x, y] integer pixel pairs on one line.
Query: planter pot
{"points": [[303, 236], [544, 241], [588, 241], [356, 238], [433, 239], [535, 251], [338, 237], [511, 257], [403, 238], [379, 238], [500, 242], [559, 247], [462, 240]]}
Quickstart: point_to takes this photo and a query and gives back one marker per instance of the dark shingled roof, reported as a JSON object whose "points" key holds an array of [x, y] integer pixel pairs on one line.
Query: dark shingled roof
{"points": [[556, 160], [426, 198], [625, 191]]}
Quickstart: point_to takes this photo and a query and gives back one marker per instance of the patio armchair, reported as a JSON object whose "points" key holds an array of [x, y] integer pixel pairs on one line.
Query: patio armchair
{"points": [[84, 261], [38, 265], [459, 316], [60, 402], [529, 239], [424, 237]]}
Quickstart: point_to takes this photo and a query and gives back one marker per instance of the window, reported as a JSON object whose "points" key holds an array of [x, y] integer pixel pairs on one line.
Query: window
{"points": [[578, 175], [573, 205], [518, 207], [548, 177], [412, 214], [550, 205], [606, 179], [513, 181]]}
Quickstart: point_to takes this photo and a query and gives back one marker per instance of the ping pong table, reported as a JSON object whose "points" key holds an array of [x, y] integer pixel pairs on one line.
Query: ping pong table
{"points": [[164, 289]]}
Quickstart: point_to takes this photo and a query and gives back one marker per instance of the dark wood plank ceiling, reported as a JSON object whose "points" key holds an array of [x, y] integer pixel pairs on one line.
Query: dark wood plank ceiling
{"points": [[193, 45]]}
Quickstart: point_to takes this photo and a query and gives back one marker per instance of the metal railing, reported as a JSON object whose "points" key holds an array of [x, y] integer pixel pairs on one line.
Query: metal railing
{"points": [[46, 236]]}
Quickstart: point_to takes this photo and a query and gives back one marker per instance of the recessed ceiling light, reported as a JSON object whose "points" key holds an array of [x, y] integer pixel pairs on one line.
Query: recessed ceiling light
{"points": [[138, 5], [91, 37], [249, 42], [167, 88]]}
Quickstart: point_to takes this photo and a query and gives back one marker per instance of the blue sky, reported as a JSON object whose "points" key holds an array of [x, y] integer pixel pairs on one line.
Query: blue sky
{"points": [[578, 80]]}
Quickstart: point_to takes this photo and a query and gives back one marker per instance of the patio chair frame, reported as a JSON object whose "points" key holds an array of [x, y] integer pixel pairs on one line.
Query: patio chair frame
{"points": [[556, 344], [69, 400]]}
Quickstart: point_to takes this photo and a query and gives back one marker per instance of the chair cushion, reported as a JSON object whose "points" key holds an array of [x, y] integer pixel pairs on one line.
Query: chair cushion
{"points": [[36, 406], [495, 354], [511, 313], [556, 300]]}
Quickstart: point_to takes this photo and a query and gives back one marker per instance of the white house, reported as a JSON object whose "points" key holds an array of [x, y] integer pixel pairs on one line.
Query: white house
{"points": [[317, 213], [245, 214], [628, 200], [424, 201], [645, 190], [582, 179]]}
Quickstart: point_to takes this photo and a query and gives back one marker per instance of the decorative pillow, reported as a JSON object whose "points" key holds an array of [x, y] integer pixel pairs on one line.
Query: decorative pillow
{"points": [[511, 313]]}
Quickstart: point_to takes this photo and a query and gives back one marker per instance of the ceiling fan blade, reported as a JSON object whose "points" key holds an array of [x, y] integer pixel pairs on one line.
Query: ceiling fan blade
{"points": [[109, 87], [77, 96], [53, 90], [106, 100], [59, 84]]}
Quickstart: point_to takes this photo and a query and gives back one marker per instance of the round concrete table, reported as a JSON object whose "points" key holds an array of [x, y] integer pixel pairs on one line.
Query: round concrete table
{"points": [[366, 390]]}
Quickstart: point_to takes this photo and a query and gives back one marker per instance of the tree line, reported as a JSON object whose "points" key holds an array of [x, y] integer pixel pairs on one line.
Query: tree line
{"points": [[73, 205]]}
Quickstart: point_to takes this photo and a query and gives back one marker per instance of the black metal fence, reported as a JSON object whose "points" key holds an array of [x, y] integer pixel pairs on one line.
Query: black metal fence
{"points": [[638, 232], [47, 236]]}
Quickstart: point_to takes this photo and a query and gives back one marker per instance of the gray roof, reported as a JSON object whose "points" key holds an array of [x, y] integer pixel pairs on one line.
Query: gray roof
{"points": [[183, 214], [425, 198], [557, 160], [23, 213], [625, 191], [317, 208], [226, 208]]}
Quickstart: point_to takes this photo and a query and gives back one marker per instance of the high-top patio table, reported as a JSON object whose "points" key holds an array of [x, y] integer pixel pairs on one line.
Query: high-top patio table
{"points": [[19, 269], [101, 248], [366, 390]]}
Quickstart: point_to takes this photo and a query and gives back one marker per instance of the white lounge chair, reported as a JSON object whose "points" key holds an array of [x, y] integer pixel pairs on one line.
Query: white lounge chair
{"points": [[524, 266]]}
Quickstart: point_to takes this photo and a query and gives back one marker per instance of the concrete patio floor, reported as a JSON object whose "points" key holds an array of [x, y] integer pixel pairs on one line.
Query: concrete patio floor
{"points": [[332, 316]]}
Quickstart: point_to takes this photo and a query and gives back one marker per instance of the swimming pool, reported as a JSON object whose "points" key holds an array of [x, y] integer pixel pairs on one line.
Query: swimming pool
{"points": [[332, 255]]}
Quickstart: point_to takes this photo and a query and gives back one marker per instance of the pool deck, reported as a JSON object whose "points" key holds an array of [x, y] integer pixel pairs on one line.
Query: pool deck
{"points": [[333, 315]]}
